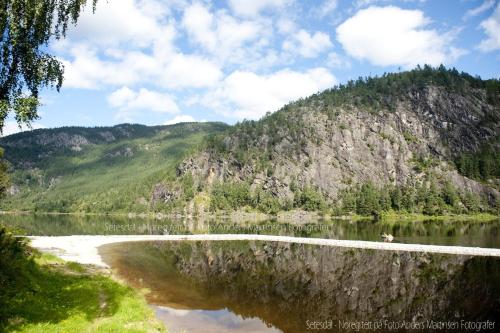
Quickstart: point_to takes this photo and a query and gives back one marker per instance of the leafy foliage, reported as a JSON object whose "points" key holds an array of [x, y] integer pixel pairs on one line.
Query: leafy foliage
{"points": [[230, 196], [27, 26], [310, 199], [4, 178], [421, 198]]}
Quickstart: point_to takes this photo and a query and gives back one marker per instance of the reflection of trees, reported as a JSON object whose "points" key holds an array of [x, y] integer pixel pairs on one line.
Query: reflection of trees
{"points": [[287, 284]]}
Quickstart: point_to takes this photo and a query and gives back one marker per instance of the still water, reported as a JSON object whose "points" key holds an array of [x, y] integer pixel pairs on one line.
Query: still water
{"points": [[464, 233], [278, 287], [251, 286]]}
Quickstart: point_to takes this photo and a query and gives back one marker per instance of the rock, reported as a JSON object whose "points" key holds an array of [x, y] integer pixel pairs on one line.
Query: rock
{"points": [[161, 194], [13, 190], [357, 145]]}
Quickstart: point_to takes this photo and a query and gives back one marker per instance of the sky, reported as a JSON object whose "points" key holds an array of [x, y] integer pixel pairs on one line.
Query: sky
{"points": [[158, 62]]}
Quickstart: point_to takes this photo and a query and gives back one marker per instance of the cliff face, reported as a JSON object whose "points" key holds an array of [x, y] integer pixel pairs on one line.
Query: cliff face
{"points": [[332, 146]]}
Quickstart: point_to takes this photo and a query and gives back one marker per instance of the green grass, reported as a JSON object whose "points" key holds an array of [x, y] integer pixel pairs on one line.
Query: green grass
{"points": [[416, 217], [68, 297]]}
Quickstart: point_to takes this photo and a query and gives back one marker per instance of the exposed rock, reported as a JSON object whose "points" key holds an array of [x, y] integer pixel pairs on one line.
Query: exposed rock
{"points": [[108, 136], [13, 190], [357, 146], [161, 194]]}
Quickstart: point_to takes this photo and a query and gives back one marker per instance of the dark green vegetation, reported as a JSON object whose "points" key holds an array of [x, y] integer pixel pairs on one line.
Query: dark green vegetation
{"points": [[40, 293], [371, 200], [4, 178], [482, 165], [105, 169], [365, 200], [27, 27]]}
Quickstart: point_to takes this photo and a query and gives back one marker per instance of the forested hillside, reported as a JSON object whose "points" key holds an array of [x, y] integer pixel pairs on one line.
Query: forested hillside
{"points": [[424, 141], [102, 169]]}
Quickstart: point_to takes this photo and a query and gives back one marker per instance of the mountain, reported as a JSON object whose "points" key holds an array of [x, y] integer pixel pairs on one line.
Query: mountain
{"points": [[425, 140], [101, 169], [422, 141]]}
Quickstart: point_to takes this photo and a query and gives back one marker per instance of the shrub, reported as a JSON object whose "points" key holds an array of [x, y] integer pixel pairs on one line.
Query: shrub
{"points": [[310, 199], [230, 196]]}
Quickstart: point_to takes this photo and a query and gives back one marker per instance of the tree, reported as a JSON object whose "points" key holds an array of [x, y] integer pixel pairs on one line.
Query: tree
{"points": [[25, 66], [310, 199], [450, 195], [4, 179], [367, 201], [433, 203]]}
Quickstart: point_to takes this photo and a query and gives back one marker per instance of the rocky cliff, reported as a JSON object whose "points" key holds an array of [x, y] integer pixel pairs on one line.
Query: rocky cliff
{"points": [[399, 129]]}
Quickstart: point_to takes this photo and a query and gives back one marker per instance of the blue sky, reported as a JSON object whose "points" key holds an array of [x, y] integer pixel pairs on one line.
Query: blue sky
{"points": [[163, 61]]}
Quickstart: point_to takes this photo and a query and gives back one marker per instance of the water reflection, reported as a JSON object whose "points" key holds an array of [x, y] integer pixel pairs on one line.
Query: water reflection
{"points": [[209, 321], [465, 233], [240, 285]]}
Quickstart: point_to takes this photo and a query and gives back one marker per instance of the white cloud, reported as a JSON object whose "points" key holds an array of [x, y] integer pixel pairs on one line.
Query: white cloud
{"points": [[182, 118], [12, 127], [128, 100], [223, 36], [88, 70], [326, 8], [491, 27], [393, 36], [307, 45], [246, 95], [120, 21], [335, 60], [138, 48], [286, 26], [254, 7], [189, 71], [487, 4], [198, 21]]}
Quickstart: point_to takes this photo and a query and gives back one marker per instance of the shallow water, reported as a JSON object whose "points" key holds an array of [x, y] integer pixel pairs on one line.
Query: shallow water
{"points": [[209, 321], [251, 286], [463, 233]]}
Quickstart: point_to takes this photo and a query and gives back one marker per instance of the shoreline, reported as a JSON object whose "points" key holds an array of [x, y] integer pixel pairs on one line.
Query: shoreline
{"points": [[294, 216], [85, 249]]}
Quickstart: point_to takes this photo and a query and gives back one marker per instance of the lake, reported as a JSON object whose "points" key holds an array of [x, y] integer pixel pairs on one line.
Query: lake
{"points": [[463, 233], [255, 286]]}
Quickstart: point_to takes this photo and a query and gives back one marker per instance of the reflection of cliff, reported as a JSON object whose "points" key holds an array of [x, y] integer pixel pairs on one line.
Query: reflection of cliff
{"points": [[287, 284]]}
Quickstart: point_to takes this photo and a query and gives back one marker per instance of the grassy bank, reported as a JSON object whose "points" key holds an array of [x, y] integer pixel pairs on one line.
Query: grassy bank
{"points": [[415, 217], [41, 293]]}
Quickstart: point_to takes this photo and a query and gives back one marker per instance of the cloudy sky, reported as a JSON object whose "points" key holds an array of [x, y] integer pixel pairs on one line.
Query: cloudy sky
{"points": [[164, 61]]}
